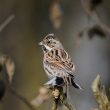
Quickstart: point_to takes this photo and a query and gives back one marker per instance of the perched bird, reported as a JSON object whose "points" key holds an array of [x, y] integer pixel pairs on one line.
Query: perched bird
{"points": [[57, 62]]}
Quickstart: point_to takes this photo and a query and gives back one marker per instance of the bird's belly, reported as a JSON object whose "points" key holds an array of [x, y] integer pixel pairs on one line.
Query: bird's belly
{"points": [[52, 71]]}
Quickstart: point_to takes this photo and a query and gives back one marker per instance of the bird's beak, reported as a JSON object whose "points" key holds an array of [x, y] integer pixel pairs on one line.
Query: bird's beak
{"points": [[41, 43]]}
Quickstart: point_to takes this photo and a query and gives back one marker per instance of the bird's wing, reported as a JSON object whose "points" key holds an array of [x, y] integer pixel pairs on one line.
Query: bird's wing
{"points": [[59, 58]]}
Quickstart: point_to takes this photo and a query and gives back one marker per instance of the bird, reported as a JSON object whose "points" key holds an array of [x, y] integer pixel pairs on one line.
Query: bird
{"points": [[57, 63]]}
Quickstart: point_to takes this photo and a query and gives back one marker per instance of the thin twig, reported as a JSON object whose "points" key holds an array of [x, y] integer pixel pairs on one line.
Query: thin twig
{"points": [[55, 104], [68, 106], [6, 22], [95, 15], [101, 23], [60, 99]]}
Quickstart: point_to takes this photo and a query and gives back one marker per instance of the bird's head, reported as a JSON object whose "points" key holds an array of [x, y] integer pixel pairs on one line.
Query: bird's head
{"points": [[50, 42]]}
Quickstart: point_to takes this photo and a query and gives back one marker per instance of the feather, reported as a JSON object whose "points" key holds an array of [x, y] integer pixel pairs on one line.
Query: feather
{"points": [[55, 81], [76, 85], [63, 63]]}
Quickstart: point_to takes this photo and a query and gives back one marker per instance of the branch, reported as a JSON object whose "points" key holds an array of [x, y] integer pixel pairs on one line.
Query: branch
{"points": [[101, 23], [6, 22], [68, 106], [43, 96], [60, 98], [57, 95], [93, 13]]}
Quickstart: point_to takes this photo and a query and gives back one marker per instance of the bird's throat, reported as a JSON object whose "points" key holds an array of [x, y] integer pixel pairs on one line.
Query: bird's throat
{"points": [[44, 49]]}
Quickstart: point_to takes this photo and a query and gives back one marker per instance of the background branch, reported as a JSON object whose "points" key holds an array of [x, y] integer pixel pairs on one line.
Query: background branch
{"points": [[92, 12], [6, 22]]}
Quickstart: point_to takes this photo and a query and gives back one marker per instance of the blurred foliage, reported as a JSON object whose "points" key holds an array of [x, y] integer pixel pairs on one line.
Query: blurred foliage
{"points": [[20, 37], [100, 94]]}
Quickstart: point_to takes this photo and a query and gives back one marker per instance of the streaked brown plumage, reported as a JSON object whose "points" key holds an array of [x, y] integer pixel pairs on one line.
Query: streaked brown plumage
{"points": [[56, 61]]}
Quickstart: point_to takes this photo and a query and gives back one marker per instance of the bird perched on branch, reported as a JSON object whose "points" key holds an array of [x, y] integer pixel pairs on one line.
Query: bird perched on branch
{"points": [[57, 63]]}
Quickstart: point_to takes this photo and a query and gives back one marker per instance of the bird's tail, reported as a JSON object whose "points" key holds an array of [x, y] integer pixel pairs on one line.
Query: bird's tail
{"points": [[60, 82], [74, 84]]}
